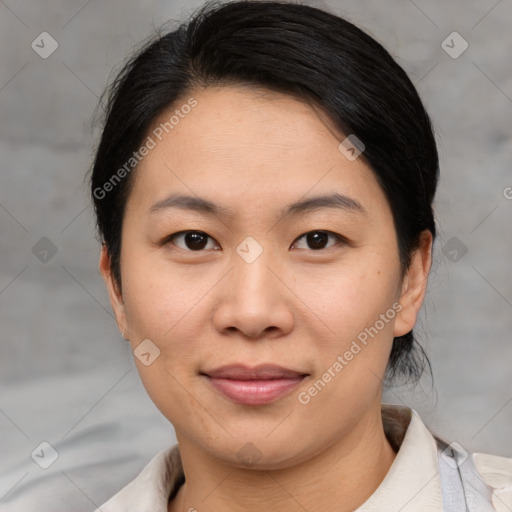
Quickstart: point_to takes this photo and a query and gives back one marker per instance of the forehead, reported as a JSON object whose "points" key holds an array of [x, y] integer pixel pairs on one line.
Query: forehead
{"points": [[251, 147]]}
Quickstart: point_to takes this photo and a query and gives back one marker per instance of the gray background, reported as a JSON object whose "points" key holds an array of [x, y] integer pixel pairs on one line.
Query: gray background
{"points": [[68, 378]]}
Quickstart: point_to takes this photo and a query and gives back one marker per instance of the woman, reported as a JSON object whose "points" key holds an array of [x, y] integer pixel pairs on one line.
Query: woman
{"points": [[263, 189]]}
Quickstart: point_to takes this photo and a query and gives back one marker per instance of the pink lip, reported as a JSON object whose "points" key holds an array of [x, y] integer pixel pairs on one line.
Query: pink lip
{"points": [[259, 385]]}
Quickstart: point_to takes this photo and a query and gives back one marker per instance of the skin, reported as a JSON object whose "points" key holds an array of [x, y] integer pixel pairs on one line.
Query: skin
{"points": [[255, 152]]}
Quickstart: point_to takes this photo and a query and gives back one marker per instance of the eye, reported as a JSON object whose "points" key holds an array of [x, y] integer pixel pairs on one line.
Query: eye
{"points": [[193, 240], [318, 239], [196, 241]]}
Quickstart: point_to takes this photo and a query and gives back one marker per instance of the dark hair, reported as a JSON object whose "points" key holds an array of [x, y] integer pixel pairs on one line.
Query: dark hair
{"points": [[294, 49]]}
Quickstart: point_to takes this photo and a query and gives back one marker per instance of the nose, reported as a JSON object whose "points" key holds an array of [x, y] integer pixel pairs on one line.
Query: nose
{"points": [[254, 300]]}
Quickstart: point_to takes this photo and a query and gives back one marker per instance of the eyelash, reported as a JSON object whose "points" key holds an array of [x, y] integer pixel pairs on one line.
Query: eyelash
{"points": [[340, 238]]}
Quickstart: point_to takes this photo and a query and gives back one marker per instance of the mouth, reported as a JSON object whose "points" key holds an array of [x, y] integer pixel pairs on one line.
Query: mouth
{"points": [[262, 384]]}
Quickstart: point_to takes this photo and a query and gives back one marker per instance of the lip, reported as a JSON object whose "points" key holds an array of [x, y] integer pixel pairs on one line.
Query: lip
{"points": [[258, 385]]}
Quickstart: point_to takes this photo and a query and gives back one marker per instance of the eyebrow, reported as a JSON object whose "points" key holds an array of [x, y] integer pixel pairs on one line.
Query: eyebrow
{"points": [[205, 206]]}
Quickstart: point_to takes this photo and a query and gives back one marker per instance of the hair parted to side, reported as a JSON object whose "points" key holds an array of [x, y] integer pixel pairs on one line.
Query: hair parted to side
{"points": [[294, 49]]}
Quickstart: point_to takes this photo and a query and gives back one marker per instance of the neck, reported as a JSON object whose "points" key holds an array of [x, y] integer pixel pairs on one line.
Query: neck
{"points": [[341, 478]]}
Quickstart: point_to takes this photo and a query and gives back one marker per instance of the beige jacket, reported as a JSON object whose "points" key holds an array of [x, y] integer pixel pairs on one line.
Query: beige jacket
{"points": [[412, 484]]}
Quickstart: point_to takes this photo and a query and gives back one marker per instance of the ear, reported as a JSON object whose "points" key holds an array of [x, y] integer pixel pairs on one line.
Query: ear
{"points": [[116, 298], [414, 285]]}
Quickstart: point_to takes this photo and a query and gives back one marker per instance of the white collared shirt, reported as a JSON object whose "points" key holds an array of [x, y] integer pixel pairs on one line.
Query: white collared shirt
{"points": [[412, 484]]}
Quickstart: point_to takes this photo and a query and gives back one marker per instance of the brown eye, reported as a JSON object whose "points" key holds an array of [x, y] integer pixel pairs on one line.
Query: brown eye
{"points": [[192, 240], [317, 240]]}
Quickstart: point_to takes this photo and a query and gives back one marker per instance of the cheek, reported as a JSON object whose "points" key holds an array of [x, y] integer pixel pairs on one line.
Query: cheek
{"points": [[351, 361], [160, 307], [156, 299], [356, 303], [169, 307], [352, 298]]}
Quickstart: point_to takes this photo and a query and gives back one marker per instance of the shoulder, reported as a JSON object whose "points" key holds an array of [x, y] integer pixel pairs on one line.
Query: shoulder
{"points": [[150, 490], [487, 477], [496, 471]]}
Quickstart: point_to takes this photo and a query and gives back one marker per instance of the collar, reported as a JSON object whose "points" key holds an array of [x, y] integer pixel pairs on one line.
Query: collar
{"points": [[411, 484]]}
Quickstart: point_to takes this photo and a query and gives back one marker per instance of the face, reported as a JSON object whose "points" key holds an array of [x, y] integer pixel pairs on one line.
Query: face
{"points": [[251, 280]]}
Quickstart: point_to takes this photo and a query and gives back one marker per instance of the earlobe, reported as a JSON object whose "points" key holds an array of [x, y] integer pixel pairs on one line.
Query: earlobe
{"points": [[414, 285], [115, 295]]}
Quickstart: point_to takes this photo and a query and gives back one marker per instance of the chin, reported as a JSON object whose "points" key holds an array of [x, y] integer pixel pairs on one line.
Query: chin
{"points": [[258, 451]]}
